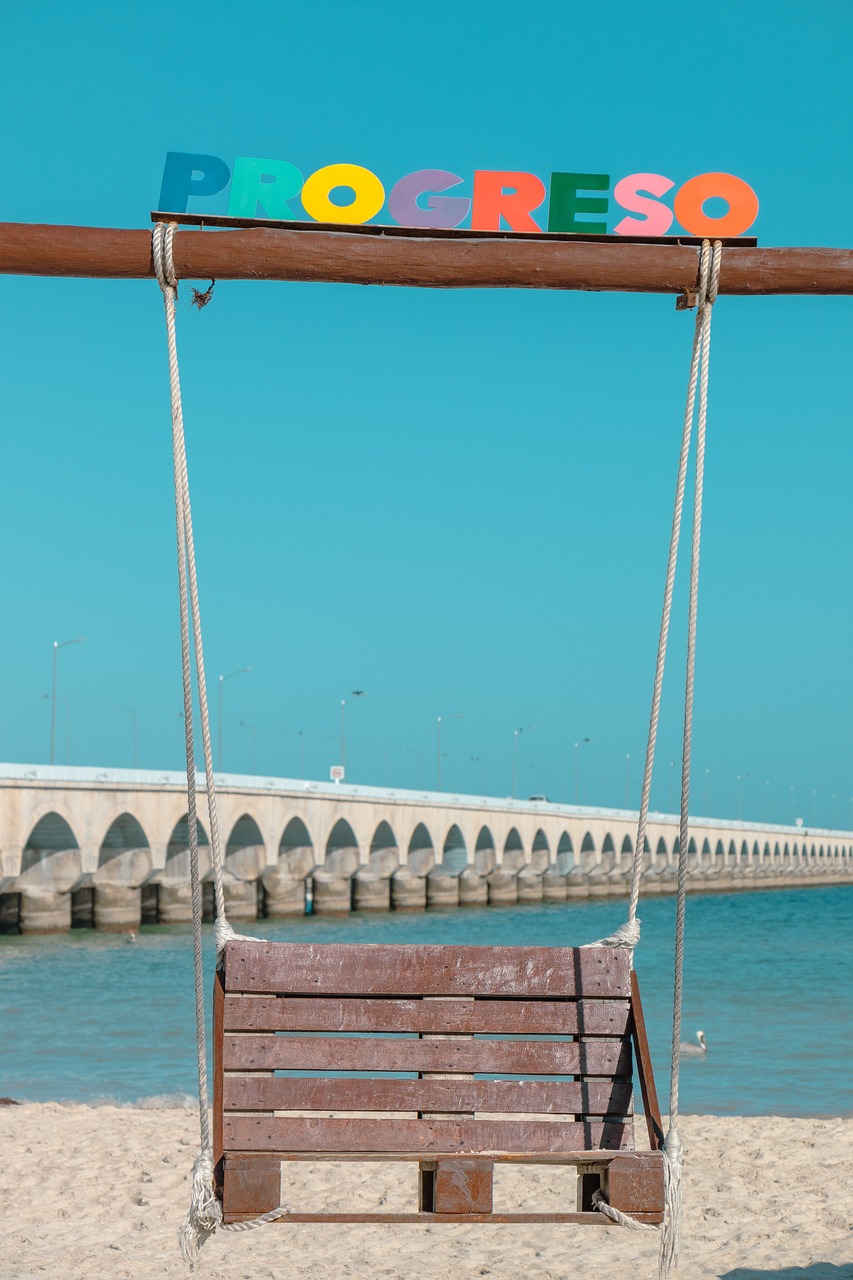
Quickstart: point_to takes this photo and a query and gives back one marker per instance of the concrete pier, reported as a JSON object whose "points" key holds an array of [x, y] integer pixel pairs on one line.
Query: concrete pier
{"points": [[109, 849]]}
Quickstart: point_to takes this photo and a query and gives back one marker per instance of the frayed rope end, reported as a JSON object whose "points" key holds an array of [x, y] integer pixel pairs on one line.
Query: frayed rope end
{"points": [[670, 1234], [204, 1214], [627, 935]]}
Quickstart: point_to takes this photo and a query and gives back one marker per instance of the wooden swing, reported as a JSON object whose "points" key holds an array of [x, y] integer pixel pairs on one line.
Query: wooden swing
{"points": [[461, 1057], [499, 1054]]}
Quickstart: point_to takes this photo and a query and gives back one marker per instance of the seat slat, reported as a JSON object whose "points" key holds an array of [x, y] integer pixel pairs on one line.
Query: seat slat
{"points": [[355, 969], [597, 1098], [506, 1017], [285, 1134], [502, 1057]]}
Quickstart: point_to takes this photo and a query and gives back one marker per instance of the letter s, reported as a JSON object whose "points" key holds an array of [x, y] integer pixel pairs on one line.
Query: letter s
{"points": [[657, 218]]}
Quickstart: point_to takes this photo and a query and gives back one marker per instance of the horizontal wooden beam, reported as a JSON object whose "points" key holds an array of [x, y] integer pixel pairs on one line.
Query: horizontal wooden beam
{"points": [[445, 261]]}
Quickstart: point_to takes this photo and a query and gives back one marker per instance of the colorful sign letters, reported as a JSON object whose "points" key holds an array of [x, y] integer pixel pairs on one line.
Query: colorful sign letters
{"points": [[641, 204]]}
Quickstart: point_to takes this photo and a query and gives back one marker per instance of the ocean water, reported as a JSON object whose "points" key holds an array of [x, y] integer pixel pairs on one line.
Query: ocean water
{"points": [[86, 1017]]}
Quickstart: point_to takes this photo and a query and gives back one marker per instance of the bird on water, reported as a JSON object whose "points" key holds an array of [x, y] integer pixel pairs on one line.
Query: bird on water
{"points": [[689, 1050]]}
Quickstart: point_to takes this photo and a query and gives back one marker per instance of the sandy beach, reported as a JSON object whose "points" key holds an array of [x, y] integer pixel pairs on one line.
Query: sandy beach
{"points": [[98, 1192]]}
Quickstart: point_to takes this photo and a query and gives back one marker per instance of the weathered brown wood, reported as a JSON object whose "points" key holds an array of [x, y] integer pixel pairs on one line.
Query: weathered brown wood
{"points": [[568, 1098], [495, 1017], [496, 1057], [425, 1219], [463, 1187], [427, 233], [218, 1014], [644, 1068], [304, 968], [277, 1134], [445, 261], [594, 1156], [253, 1186], [635, 1184]]}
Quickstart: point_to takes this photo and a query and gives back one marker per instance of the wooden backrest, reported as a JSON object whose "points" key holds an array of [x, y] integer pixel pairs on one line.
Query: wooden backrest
{"points": [[519, 1050]]}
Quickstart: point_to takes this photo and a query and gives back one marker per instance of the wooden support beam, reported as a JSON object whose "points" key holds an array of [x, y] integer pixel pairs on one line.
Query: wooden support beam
{"points": [[443, 260]]}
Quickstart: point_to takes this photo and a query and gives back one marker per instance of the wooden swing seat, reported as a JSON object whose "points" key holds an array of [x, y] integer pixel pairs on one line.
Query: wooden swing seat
{"points": [[457, 1058]]}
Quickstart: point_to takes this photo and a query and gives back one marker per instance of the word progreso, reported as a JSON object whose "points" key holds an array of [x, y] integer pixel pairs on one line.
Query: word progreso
{"points": [[499, 199]]}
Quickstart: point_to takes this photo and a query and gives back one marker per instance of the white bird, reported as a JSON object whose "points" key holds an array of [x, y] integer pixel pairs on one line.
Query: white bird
{"points": [[690, 1050]]}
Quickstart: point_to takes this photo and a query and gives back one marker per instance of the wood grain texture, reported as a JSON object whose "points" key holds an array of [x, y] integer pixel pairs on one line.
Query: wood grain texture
{"points": [[490, 1057], [530, 973], [572, 1098], [216, 1114], [282, 1134], [449, 261], [427, 1219], [648, 1091], [489, 1017]]}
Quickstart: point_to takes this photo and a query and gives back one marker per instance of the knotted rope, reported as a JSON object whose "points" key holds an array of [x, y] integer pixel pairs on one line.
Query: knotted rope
{"points": [[628, 934], [205, 1212], [670, 1241]]}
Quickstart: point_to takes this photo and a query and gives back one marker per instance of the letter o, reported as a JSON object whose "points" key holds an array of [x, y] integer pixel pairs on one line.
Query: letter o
{"points": [[369, 194], [739, 195]]}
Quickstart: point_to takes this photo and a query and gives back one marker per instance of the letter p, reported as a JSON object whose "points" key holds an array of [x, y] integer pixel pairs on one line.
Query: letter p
{"points": [[186, 174]]}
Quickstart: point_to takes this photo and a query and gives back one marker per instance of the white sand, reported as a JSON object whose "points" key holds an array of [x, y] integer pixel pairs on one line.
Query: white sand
{"points": [[97, 1193]]}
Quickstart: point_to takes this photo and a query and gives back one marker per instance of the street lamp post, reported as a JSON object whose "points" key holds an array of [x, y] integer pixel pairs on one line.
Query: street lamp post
{"points": [[516, 734], [133, 712], [456, 716], [583, 742], [245, 725], [57, 645], [240, 671], [356, 693]]}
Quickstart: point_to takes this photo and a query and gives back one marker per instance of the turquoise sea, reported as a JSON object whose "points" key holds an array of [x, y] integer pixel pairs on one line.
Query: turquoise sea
{"points": [[86, 1017]]}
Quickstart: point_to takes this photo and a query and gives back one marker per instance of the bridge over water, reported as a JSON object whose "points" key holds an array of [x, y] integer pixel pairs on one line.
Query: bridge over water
{"points": [[109, 847]]}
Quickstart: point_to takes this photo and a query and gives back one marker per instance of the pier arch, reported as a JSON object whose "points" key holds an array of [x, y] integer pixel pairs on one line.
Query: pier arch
{"points": [[421, 852], [51, 855], [485, 853], [384, 855], [342, 852], [178, 851], [513, 851], [124, 853], [540, 851], [245, 852], [296, 849], [454, 853]]}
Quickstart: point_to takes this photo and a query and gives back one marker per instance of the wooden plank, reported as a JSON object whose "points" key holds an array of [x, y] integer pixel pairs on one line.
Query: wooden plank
{"points": [[635, 1183], [594, 1157], [252, 1186], [428, 233], [490, 1057], [593, 1098], [305, 968], [427, 1219], [463, 1187], [265, 1134], [218, 1014], [347, 255], [484, 1017], [644, 1068]]}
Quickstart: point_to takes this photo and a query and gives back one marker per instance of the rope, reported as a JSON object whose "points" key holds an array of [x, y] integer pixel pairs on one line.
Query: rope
{"points": [[205, 1212], [628, 934], [672, 1150], [617, 1216]]}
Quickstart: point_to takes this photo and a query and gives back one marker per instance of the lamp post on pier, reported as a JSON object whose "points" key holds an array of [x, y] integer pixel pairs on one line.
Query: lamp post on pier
{"points": [[356, 693], [57, 645], [581, 743], [240, 671], [457, 715]]}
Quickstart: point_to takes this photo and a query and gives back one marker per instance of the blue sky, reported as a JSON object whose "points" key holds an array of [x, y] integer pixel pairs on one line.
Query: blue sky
{"points": [[456, 501]]}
